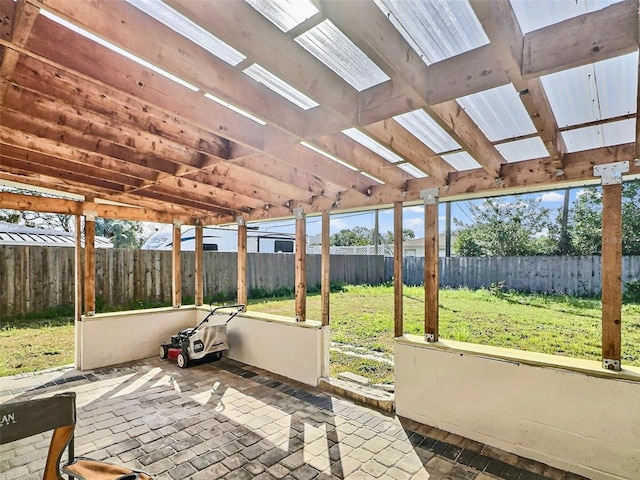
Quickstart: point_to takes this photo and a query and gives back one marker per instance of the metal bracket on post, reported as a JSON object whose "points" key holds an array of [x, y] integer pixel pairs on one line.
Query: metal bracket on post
{"points": [[90, 215], [610, 364], [241, 221], [177, 223], [636, 162], [298, 213], [429, 195], [611, 173], [430, 338]]}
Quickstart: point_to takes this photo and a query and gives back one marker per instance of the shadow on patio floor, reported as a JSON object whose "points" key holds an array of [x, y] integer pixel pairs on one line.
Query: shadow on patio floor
{"points": [[230, 420]]}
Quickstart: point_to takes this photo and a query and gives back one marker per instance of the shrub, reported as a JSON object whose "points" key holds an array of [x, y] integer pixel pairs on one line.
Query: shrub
{"points": [[632, 291]]}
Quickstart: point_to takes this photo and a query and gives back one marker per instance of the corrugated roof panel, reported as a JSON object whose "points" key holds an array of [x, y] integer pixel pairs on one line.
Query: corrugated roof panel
{"points": [[188, 29], [461, 161], [499, 113], [519, 150], [285, 14], [425, 129], [597, 136], [282, 88], [593, 92], [436, 29], [332, 47], [414, 171], [372, 145], [533, 15]]}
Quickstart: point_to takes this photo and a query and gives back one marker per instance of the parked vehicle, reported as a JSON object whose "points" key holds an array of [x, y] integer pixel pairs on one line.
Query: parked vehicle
{"points": [[221, 239]]}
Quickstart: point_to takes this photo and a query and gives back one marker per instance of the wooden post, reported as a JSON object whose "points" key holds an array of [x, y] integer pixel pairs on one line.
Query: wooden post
{"points": [[242, 293], [89, 262], [176, 265], [611, 275], [431, 285], [447, 235], [611, 174], [301, 265], [397, 270], [78, 294], [325, 281], [199, 266]]}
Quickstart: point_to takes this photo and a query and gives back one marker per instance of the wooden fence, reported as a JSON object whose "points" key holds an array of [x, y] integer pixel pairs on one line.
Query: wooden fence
{"points": [[33, 279], [562, 274]]}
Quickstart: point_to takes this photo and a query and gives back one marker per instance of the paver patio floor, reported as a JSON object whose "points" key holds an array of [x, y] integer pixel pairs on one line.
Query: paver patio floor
{"points": [[230, 420]]}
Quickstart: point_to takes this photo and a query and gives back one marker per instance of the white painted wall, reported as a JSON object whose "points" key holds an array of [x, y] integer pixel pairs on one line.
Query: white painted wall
{"points": [[278, 344], [112, 338], [585, 423]]}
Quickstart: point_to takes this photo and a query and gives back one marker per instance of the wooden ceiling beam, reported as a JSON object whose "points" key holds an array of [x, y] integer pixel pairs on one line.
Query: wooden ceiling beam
{"points": [[582, 40], [501, 26], [132, 79], [112, 108], [35, 203], [24, 15], [57, 176], [365, 25], [94, 126], [392, 134]]}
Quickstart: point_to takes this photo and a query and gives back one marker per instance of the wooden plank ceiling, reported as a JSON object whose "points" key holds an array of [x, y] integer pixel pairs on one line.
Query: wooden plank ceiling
{"points": [[78, 117]]}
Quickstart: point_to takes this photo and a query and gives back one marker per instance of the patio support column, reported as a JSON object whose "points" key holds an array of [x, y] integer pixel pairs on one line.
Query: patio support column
{"points": [[431, 283], [199, 266], [301, 265], [397, 270], [89, 262], [242, 261], [78, 293], [176, 265], [611, 262], [325, 281]]}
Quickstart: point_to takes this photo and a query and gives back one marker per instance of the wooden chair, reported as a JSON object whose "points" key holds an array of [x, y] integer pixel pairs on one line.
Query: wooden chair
{"points": [[23, 419]]}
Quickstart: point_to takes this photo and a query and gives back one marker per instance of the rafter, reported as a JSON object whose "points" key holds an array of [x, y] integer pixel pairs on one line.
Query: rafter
{"points": [[24, 16], [501, 25], [366, 26]]}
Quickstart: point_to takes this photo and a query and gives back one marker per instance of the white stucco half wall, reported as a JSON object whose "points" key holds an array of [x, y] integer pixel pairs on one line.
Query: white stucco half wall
{"points": [[280, 345], [576, 416], [296, 350]]}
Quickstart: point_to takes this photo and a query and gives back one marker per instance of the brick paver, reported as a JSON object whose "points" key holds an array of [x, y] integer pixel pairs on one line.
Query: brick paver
{"points": [[229, 420]]}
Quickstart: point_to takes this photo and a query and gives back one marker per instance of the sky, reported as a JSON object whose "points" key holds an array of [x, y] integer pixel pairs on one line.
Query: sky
{"points": [[413, 217]]}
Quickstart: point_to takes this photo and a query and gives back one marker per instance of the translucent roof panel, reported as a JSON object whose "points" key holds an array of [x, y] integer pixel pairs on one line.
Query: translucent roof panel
{"points": [[285, 14], [461, 161], [372, 145], [185, 27], [264, 76], [425, 129], [533, 15], [597, 136], [436, 29], [519, 150], [329, 45], [499, 113], [413, 171], [593, 92]]}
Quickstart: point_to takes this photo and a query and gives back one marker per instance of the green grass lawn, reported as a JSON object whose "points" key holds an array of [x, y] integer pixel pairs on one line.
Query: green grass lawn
{"points": [[554, 324], [362, 324]]}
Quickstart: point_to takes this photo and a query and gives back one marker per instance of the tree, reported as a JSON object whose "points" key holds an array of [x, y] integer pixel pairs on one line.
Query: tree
{"points": [[586, 221], [359, 236], [502, 228], [122, 233]]}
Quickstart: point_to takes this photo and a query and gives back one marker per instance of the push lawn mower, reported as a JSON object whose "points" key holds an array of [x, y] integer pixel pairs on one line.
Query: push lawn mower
{"points": [[203, 341]]}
